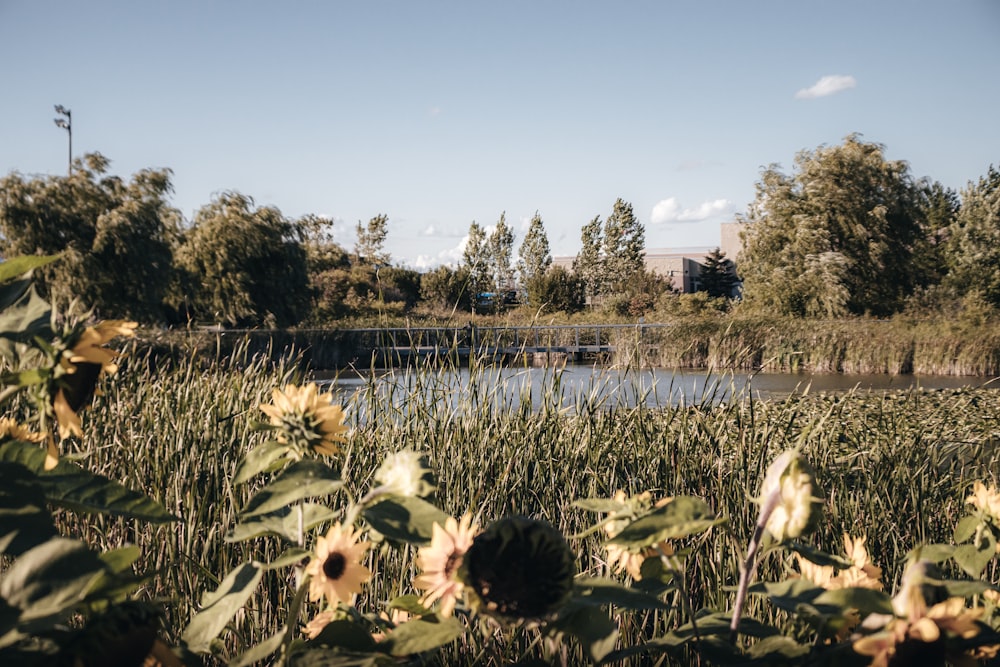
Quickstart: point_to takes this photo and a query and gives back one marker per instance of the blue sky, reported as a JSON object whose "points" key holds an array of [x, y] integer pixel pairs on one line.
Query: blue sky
{"points": [[443, 113]]}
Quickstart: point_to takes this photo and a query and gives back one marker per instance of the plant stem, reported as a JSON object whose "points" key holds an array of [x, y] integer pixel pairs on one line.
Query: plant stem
{"points": [[747, 570]]}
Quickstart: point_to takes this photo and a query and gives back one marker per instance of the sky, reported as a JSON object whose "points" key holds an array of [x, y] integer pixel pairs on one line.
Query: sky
{"points": [[441, 113]]}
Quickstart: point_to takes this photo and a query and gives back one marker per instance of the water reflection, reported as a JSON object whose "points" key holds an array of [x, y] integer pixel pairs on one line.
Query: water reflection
{"points": [[576, 385]]}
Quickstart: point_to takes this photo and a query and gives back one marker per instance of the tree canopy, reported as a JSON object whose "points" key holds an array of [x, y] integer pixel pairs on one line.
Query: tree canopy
{"points": [[835, 237]]}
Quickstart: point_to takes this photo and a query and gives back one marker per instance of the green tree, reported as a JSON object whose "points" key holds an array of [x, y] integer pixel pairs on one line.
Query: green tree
{"points": [[446, 288], [624, 247], [588, 265], [476, 260], [369, 247], [835, 237], [500, 251], [556, 290], [974, 247], [116, 237], [717, 275], [534, 255], [247, 265]]}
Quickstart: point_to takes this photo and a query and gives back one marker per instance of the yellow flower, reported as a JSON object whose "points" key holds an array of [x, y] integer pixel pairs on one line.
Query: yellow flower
{"points": [[10, 429], [986, 499], [789, 488], [404, 473], [906, 639], [82, 366], [440, 561], [336, 570], [306, 418], [625, 559]]}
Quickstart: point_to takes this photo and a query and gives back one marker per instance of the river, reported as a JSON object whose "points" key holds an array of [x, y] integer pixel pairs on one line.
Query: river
{"points": [[573, 385]]}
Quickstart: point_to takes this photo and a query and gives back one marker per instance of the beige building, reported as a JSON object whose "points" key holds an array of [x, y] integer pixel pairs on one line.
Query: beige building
{"points": [[681, 266]]}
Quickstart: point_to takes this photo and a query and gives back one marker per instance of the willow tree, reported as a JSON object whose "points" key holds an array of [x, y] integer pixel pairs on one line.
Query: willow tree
{"points": [[115, 237], [835, 237]]}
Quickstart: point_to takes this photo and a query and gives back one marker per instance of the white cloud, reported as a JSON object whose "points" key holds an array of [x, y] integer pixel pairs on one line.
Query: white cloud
{"points": [[670, 210], [828, 85], [450, 257]]}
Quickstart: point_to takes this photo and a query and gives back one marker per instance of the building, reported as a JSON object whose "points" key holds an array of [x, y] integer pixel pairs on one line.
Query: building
{"points": [[681, 266]]}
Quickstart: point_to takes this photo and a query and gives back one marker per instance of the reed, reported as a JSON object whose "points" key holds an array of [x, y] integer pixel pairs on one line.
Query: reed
{"points": [[894, 466]]}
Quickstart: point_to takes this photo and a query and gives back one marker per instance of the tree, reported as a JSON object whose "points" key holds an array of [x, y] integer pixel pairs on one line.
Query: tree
{"points": [[588, 265], [835, 237], [556, 290], [446, 288], [476, 259], [247, 264], [534, 256], [974, 247], [500, 250], [717, 275], [116, 238], [371, 240], [624, 247]]}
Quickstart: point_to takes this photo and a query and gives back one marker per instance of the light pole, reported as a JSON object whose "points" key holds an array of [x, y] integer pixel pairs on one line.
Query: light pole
{"points": [[67, 124]]}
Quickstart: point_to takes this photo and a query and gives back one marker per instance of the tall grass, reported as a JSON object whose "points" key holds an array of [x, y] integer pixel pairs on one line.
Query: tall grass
{"points": [[895, 466]]}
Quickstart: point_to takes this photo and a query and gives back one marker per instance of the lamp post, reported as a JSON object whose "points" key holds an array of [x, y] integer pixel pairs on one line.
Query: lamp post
{"points": [[67, 124]]}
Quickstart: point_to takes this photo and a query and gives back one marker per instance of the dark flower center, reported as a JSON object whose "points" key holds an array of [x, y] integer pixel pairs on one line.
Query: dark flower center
{"points": [[334, 565]]}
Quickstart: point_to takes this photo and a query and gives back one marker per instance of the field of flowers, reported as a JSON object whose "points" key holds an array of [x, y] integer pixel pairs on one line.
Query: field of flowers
{"points": [[189, 513]]}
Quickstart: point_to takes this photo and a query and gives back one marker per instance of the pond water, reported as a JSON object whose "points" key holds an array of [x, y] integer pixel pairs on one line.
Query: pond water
{"points": [[573, 386]]}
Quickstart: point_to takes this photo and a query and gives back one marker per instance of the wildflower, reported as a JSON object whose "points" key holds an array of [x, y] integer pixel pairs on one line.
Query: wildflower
{"points": [[82, 364], [336, 570], [789, 488], [307, 419], [11, 430], [861, 574], [629, 559], [986, 499], [923, 636], [441, 561], [518, 569], [405, 473]]}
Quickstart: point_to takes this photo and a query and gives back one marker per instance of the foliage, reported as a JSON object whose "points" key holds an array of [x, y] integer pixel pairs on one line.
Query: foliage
{"points": [[534, 256], [446, 288], [589, 262], [370, 245], [718, 275], [499, 250], [624, 242], [556, 290], [245, 265], [116, 238], [975, 240], [476, 259], [836, 237]]}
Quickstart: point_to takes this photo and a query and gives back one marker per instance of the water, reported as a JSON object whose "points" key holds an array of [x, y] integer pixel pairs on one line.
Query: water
{"points": [[576, 385]]}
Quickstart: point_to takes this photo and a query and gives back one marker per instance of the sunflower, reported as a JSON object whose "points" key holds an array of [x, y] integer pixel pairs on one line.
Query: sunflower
{"points": [[318, 622], [625, 559], [11, 430], [519, 569], [790, 489], [441, 560], [306, 419], [336, 570]]}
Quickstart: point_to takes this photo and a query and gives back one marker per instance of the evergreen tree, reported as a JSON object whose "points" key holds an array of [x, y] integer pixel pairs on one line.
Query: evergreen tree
{"points": [[588, 265], [534, 256], [624, 248], [717, 276], [476, 260], [369, 247], [500, 250]]}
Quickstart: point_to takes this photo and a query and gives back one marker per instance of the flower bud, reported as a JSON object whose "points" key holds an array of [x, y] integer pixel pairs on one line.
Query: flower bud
{"points": [[790, 492]]}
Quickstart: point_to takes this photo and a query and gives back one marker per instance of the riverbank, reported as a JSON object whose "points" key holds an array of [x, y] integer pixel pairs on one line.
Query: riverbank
{"points": [[897, 346]]}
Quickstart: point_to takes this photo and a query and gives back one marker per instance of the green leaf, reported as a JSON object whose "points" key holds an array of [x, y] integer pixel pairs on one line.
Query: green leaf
{"points": [[70, 486], [26, 318], [260, 459], [591, 626], [818, 557], [600, 591], [865, 600], [404, 518], [301, 480], [50, 579], [788, 594], [283, 522], [220, 605], [290, 556], [18, 266], [261, 651], [965, 589], [966, 528], [119, 560], [25, 521], [771, 650], [423, 634], [935, 553], [680, 517], [409, 603], [972, 559]]}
